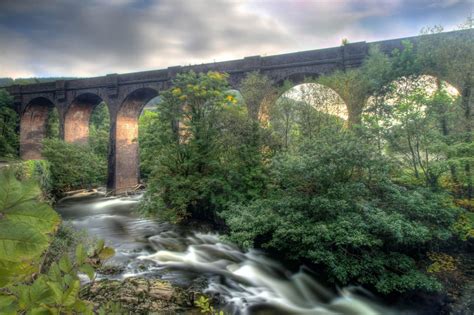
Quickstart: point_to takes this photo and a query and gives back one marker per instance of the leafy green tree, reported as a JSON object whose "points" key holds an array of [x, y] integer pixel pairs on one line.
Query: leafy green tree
{"points": [[302, 111], [450, 58], [149, 129], [99, 130], [332, 203], [9, 142], [258, 93], [52, 124], [353, 87], [282, 117], [68, 168], [208, 150]]}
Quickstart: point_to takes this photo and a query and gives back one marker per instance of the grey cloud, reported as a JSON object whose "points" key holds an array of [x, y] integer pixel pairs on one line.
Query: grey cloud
{"points": [[90, 38], [95, 37]]}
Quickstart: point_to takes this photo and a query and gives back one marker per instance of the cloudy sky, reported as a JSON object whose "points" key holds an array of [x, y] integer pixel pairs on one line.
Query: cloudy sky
{"points": [[94, 37]]}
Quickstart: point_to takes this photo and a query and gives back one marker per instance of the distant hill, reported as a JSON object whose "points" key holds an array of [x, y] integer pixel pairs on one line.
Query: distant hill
{"points": [[22, 81]]}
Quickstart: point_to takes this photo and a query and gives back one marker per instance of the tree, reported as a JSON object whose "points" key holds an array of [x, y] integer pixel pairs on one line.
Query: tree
{"points": [[99, 130], [258, 93], [9, 142], [450, 57], [209, 151], [282, 118], [353, 87], [73, 166], [149, 139], [333, 204]]}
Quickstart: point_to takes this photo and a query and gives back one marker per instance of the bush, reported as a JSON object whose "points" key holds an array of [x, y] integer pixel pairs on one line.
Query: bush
{"points": [[73, 166], [333, 204], [38, 171], [211, 158], [9, 140]]}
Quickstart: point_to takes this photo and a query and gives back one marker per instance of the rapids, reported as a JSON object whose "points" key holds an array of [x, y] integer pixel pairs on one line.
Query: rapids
{"points": [[244, 282]]}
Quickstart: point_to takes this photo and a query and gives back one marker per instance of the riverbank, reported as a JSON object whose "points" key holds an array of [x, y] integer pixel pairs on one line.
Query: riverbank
{"points": [[182, 262], [175, 258]]}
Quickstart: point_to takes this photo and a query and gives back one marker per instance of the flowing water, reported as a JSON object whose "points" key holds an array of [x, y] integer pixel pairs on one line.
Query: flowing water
{"points": [[246, 282]]}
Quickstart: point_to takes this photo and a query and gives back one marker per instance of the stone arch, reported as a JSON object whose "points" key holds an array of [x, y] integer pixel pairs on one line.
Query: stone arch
{"points": [[77, 117], [33, 125], [303, 111], [125, 154], [342, 110], [429, 81]]}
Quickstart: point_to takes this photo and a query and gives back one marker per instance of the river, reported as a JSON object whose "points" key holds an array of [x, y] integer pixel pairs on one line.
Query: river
{"points": [[245, 282]]}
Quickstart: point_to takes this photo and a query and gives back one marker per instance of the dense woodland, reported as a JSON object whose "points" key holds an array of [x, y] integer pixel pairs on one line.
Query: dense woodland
{"points": [[365, 174]]}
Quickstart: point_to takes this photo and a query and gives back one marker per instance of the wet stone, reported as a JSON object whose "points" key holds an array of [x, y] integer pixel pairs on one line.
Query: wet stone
{"points": [[141, 296]]}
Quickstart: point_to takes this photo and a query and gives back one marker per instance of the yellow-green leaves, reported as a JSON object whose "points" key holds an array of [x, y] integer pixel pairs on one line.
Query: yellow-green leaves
{"points": [[56, 292], [205, 306], [26, 226]]}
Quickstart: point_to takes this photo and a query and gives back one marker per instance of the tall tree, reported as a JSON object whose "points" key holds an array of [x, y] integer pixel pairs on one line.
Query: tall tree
{"points": [[9, 142]]}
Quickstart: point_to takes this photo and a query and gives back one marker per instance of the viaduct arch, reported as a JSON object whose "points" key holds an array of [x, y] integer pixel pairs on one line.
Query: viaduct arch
{"points": [[127, 94]]}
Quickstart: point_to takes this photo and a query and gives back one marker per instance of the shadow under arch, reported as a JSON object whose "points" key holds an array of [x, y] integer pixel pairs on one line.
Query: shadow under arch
{"points": [[297, 78], [77, 117], [33, 127], [124, 170]]}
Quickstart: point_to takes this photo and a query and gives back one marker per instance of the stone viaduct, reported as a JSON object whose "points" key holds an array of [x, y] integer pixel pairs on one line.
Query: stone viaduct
{"points": [[127, 94]]}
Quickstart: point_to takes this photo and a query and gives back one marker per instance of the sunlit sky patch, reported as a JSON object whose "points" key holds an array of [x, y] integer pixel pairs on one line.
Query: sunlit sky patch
{"points": [[96, 37]]}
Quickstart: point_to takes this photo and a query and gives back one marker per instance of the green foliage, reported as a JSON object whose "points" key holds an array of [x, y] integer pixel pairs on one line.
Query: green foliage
{"points": [[38, 171], [333, 204], [205, 306], [58, 290], [26, 230], [353, 87], [315, 107], [441, 262], [9, 122], [258, 93], [99, 131], [364, 204], [148, 137], [64, 242], [450, 58], [26, 227], [464, 226], [52, 124], [111, 308], [73, 166], [206, 150]]}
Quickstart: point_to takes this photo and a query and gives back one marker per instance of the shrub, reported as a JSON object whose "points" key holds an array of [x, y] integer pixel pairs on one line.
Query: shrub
{"points": [[333, 204], [73, 166], [38, 171]]}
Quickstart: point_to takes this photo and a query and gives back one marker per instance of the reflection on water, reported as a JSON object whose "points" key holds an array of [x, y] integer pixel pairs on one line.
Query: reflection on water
{"points": [[245, 282]]}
